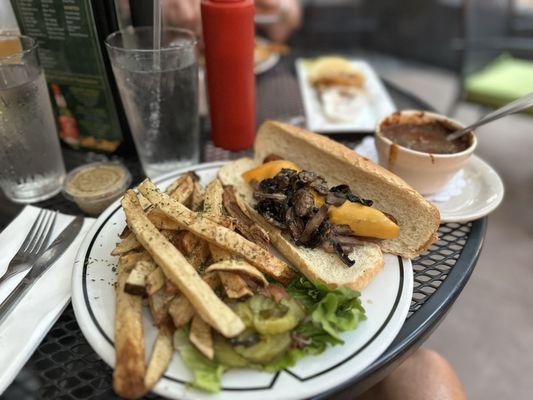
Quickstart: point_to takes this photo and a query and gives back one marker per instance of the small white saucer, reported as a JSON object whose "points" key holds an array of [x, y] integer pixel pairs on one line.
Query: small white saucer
{"points": [[481, 189], [482, 194]]}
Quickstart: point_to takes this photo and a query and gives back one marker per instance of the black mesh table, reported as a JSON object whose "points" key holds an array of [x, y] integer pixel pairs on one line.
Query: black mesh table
{"points": [[65, 366]]}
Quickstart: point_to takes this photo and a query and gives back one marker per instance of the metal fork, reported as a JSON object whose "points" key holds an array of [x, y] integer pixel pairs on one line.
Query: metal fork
{"points": [[34, 244]]}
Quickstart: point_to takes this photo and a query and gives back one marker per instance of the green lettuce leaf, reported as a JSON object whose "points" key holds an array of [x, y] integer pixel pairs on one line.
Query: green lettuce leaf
{"points": [[331, 311], [207, 373], [334, 310]]}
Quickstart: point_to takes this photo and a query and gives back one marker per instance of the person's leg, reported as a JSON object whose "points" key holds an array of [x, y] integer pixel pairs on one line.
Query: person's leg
{"points": [[425, 375]]}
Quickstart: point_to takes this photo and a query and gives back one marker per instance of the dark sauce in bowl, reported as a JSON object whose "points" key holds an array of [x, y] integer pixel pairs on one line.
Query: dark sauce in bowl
{"points": [[428, 137]]}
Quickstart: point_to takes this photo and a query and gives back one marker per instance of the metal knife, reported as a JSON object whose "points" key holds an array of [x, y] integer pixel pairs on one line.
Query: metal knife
{"points": [[52, 253]]}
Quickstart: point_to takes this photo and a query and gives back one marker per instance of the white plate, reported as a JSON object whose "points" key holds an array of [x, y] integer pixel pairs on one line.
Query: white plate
{"points": [[268, 63], [376, 102], [482, 194], [386, 301]]}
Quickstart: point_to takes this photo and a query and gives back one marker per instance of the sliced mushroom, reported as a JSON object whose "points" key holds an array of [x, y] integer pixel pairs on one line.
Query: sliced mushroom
{"points": [[306, 177], [294, 224], [334, 199], [348, 241], [341, 229], [269, 196], [342, 254], [319, 185], [273, 212], [312, 227], [344, 191], [304, 202]]}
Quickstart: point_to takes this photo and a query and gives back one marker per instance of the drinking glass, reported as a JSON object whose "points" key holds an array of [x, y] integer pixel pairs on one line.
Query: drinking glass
{"points": [[31, 164], [159, 90]]}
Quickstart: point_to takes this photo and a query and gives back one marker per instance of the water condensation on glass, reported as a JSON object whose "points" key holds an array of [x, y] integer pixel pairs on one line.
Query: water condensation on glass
{"points": [[160, 99], [31, 164]]}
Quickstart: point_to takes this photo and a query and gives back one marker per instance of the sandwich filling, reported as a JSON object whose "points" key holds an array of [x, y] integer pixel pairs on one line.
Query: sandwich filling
{"points": [[302, 205]]}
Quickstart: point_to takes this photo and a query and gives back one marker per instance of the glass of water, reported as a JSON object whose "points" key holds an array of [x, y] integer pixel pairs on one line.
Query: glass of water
{"points": [[159, 90], [31, 164]]}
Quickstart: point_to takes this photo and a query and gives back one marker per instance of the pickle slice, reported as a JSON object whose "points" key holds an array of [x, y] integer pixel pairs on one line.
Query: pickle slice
{"points": [[243, 310], [271, 318], [226, 355], [269, 348]]}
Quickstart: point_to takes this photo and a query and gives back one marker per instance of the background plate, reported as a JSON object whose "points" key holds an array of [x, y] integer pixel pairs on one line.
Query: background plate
{"points": [[268, 63], [386, 301], [376, 102]]}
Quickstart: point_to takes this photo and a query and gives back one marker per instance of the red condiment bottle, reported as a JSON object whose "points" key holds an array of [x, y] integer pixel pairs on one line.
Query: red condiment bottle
{"points": [[228, 29]]}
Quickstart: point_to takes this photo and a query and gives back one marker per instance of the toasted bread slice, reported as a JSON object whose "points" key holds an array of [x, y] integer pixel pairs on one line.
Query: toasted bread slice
{"points": [[315, 264], [418, 218]]}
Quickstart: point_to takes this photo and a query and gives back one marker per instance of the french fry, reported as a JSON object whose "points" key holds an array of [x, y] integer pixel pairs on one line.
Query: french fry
{"points": [[171, 235], [130, 242], [175, 183], [199, 255], [234, 285], [200, 335], [240, 267], [125, 232], [128, 261], [161, 220], [197, 200], [178, 270], [130, 367], [145, 204], [126, 245], [195, 250], [223, 220], [183, 190], [213, 198], [216, 234], [170, 288], [186, 242], [159, 303], [181, 310], [161, 355], [154, 281], [136, 282]]}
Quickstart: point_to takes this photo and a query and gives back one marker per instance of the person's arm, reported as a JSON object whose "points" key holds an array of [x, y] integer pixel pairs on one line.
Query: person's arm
{"points": [[290, 17], [424, 375], [186, 14], [183, 14]]}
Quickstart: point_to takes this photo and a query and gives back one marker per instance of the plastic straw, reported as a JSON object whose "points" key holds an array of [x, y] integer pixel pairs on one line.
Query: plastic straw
{"points": [[157, 32]]}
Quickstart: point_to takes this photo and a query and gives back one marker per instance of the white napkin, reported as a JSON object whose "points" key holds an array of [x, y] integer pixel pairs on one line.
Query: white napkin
{"points": [[29, 322], [454, 187]]}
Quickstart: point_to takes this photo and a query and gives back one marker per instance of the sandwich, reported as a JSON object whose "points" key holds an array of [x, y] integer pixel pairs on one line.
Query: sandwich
{"points": [[328, 211], [335, 71], [339, 86]]}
